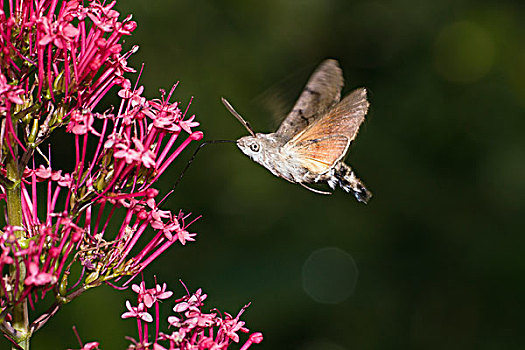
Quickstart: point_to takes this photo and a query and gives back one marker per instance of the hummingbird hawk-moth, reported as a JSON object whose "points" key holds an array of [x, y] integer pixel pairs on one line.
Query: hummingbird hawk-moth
{"points": [[312, 141]]}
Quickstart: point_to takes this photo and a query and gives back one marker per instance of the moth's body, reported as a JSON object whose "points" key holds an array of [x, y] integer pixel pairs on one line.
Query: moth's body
{"points": [[311, 143], [280, 160], [284, 163]]}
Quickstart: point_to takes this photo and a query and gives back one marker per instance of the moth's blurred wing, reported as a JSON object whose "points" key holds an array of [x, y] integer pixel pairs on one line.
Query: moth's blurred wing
{"points": [[322, 91], [329, 137], [319, 155]]}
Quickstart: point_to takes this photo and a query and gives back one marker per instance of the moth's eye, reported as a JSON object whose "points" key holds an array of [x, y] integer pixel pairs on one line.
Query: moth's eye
{"points": [[254, 147]]}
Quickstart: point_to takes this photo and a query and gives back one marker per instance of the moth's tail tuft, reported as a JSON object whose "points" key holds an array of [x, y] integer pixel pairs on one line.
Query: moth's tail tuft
{"points": [[345, 177]]}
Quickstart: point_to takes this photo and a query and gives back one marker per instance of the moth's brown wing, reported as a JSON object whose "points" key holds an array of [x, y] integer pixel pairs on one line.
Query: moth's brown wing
{"points": [[322, 91], [326, 141], [319, 155]]}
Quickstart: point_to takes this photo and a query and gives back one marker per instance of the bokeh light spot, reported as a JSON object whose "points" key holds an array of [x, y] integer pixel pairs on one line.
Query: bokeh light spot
{"points": [[464, 52], [329, 275]]}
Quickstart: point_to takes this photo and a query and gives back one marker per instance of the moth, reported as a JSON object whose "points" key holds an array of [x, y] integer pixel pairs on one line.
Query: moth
{"points": [[312, 141]]}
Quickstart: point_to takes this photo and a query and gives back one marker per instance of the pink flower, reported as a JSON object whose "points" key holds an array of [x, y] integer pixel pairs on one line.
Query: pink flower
{"points": [[80, 122], [184, 236], [140, 289], [150, 296], [5, 258], [232, 326], [36, 277], [174, 321], [147, 157], [157, 346], [60, 33], [168, 228], [101, 220], [126, 153], [132, 95], [138, 312], [198, 330], [174, 337], [10, 92], [166, 121], [198, 319], [159, 293], [186, 125], [43, 172], [90, 346], [254, 338], [65, 181]]}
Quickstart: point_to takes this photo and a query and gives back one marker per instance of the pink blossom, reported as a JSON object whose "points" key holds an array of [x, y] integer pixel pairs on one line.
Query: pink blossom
{"points": [[198, 330], [140, 289], [166, 121], [167, 228], [195, 301], [36, 277], [137, 312], [147, 157], [65, 181], [254, 338], [150, 296], [133, 95], [159, 293], [90, 346], [60, 33], [126, 153], [232, 326], [43, 172], [9, 92], [5, 258], [174, 337], [101, 216], [198, 319], [80, 122], [175, 321], [186, 125], [184, 236], [101, 220], [157, 346]]}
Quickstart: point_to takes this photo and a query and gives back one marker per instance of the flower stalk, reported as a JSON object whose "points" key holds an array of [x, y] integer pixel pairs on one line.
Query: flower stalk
{"points": [[20, 314]]}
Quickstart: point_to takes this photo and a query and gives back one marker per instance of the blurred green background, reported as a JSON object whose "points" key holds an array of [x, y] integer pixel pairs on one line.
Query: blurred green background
{"points": [[434, 261]]}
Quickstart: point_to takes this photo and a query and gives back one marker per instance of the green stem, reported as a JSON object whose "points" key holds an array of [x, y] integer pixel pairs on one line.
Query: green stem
{"points": [[14, 214]]}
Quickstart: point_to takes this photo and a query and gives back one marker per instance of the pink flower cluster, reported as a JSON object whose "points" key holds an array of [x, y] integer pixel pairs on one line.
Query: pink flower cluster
{"points": [[58, 59], [194, 329], [131, 153]]}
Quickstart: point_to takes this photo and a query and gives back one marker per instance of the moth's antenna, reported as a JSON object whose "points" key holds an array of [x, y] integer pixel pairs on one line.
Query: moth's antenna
{"points": [[192, 158], [238, 116]]}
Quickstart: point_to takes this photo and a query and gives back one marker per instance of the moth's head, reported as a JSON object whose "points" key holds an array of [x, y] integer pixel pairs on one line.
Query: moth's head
{"points": [[251, 146]]}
